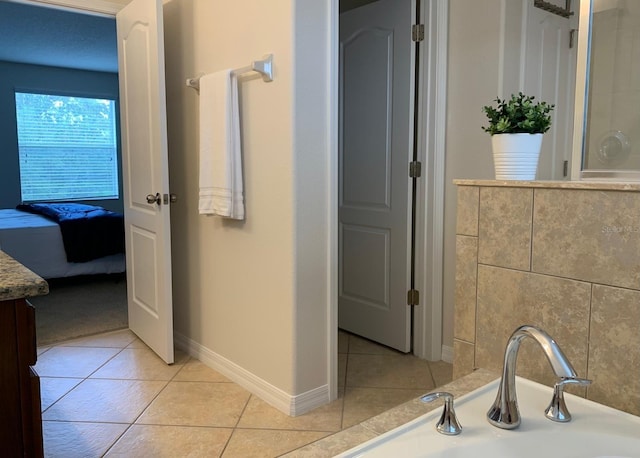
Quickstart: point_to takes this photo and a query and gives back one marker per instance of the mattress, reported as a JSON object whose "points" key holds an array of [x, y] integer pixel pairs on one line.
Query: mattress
{"points": [[36, 242]]}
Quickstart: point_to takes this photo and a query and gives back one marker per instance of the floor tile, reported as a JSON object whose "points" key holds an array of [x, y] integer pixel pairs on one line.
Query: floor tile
{"points": [[144, 441], [442, 372], [363, 403], [196, 371], [137, 343], [137, 364], [334, 445], [116, 401], [197, 404], [364, 346], [388, 371], [259, 414], [73, 361], [342, 369], [343, 342], [94, 388], [75, 440], [255, 443], [53, 388], [115, 339]]}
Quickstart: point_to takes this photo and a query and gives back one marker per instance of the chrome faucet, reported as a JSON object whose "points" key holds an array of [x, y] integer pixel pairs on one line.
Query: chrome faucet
{"points": [[504, 412]]}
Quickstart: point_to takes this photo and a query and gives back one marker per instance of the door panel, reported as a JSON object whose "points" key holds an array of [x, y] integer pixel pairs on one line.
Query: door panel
{"points": [[145, 171], [376, 93], [365, 260]]}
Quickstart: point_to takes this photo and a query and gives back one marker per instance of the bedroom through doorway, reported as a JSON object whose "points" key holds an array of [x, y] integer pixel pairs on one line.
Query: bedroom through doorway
{"points": [[56, 52]]}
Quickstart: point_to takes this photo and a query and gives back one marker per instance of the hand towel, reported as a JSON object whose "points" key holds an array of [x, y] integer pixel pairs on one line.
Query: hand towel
{"points": [[221, 190]]}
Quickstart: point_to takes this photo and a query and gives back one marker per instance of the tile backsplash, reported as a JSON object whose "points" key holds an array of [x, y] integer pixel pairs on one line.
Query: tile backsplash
{"points": [[564, 259]]}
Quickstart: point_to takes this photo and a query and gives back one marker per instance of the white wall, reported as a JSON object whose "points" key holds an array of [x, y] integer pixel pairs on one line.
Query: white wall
{"points": [[253, 294], [484, 62], [474, 39]]}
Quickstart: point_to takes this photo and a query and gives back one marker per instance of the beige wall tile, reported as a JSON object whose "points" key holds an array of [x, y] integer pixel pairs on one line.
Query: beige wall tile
{"points": [[614, 357], [467, 214], [505, 227], [586, 235], [508, 299], [466, 273], [463, 357]]}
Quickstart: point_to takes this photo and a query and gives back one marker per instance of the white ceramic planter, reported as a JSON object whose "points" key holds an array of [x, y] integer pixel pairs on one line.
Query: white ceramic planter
{"points": [[515, 156]]}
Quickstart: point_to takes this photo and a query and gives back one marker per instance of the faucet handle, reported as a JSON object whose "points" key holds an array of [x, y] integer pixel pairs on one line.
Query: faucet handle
{"points": [[557, 410], [448, 423]]}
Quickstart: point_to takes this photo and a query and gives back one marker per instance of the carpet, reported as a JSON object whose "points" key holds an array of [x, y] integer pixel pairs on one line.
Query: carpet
{"points": [[81, 306]]}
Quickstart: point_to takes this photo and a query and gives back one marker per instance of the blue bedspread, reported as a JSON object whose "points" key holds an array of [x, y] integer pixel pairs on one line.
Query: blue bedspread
{"points": [[88, 232]]}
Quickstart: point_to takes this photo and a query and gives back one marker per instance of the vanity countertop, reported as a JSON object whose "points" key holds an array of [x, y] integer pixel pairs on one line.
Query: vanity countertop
{"points": [[585, 185], [398, 416], [16, 281]]}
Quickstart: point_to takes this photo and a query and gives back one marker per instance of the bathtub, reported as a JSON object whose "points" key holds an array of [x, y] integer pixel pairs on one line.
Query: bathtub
{"points": [[595, 431]]}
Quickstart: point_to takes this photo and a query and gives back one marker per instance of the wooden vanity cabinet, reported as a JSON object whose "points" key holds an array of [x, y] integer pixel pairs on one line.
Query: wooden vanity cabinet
{"points": [[20, 409]]}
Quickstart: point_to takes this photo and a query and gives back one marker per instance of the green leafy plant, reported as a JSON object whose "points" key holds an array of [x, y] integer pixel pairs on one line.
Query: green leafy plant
{"points": [[520, 114]]}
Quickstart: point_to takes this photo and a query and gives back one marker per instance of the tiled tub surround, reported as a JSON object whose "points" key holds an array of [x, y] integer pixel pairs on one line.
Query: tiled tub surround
{"points": [[564, 256]]}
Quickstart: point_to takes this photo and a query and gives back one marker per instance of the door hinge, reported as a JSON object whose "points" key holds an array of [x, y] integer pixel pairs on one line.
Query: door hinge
{"points": [[417, 32], [415, 169], [413, 297], [572, 35]]}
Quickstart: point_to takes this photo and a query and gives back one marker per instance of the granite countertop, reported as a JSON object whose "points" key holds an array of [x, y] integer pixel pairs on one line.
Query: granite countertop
{"points": [[349, 438], [16, 281], [586, 185]]}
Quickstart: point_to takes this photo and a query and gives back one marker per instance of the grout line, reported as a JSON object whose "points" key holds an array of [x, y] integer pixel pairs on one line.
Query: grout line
{"points": [[586, 375]]}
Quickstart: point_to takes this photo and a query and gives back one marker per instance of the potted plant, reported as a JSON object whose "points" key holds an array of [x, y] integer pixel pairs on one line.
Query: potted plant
{"points": [[516, 127]]}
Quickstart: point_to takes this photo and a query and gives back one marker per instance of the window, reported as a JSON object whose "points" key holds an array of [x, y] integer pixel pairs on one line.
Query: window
{"points": [[67, 147]]}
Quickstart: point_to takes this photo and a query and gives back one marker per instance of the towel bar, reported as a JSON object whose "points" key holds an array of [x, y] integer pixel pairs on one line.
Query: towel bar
{"points": [[263, 66]]}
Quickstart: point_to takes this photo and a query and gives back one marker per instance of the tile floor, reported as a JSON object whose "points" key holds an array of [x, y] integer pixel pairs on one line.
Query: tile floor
{"points": [[109, 395]]}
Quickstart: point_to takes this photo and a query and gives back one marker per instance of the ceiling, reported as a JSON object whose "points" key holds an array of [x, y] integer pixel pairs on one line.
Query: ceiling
{"points": [[54, 37]]}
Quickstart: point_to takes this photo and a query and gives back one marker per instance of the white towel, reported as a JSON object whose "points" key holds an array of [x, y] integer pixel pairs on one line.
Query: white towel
{"points": [[221, 191]]}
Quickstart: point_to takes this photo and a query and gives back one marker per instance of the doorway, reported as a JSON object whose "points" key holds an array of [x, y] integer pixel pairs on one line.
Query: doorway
{"points": [[71, 65], [372, 288], [376, 145]]}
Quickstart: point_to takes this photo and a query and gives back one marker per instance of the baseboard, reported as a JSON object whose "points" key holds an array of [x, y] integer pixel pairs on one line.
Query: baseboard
{"points": [[447, 354], [292, 405]]}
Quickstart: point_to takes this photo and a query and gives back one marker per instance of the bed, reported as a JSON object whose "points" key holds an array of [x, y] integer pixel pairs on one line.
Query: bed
{"points": [[36, 241]]}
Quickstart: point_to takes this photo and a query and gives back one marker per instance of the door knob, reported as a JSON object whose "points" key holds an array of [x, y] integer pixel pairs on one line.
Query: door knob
{"points": [[151, 199]]}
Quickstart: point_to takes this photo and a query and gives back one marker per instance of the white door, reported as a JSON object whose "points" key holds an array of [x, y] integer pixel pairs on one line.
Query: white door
{"points": [[549, 74], [145, 171], [376, 112]]}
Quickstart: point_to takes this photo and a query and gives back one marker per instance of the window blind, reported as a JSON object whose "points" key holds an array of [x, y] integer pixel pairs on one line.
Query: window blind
{"points": [[67, 147]]}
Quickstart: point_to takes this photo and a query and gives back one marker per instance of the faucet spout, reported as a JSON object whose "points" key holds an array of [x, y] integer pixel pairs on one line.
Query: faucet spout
{"points": [[504, 412]]}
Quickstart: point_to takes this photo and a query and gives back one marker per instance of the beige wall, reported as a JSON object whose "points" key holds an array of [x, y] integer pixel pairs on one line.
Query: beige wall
{"points": [[484, 62], [254, 292], [562, 259], [473, 76]]}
